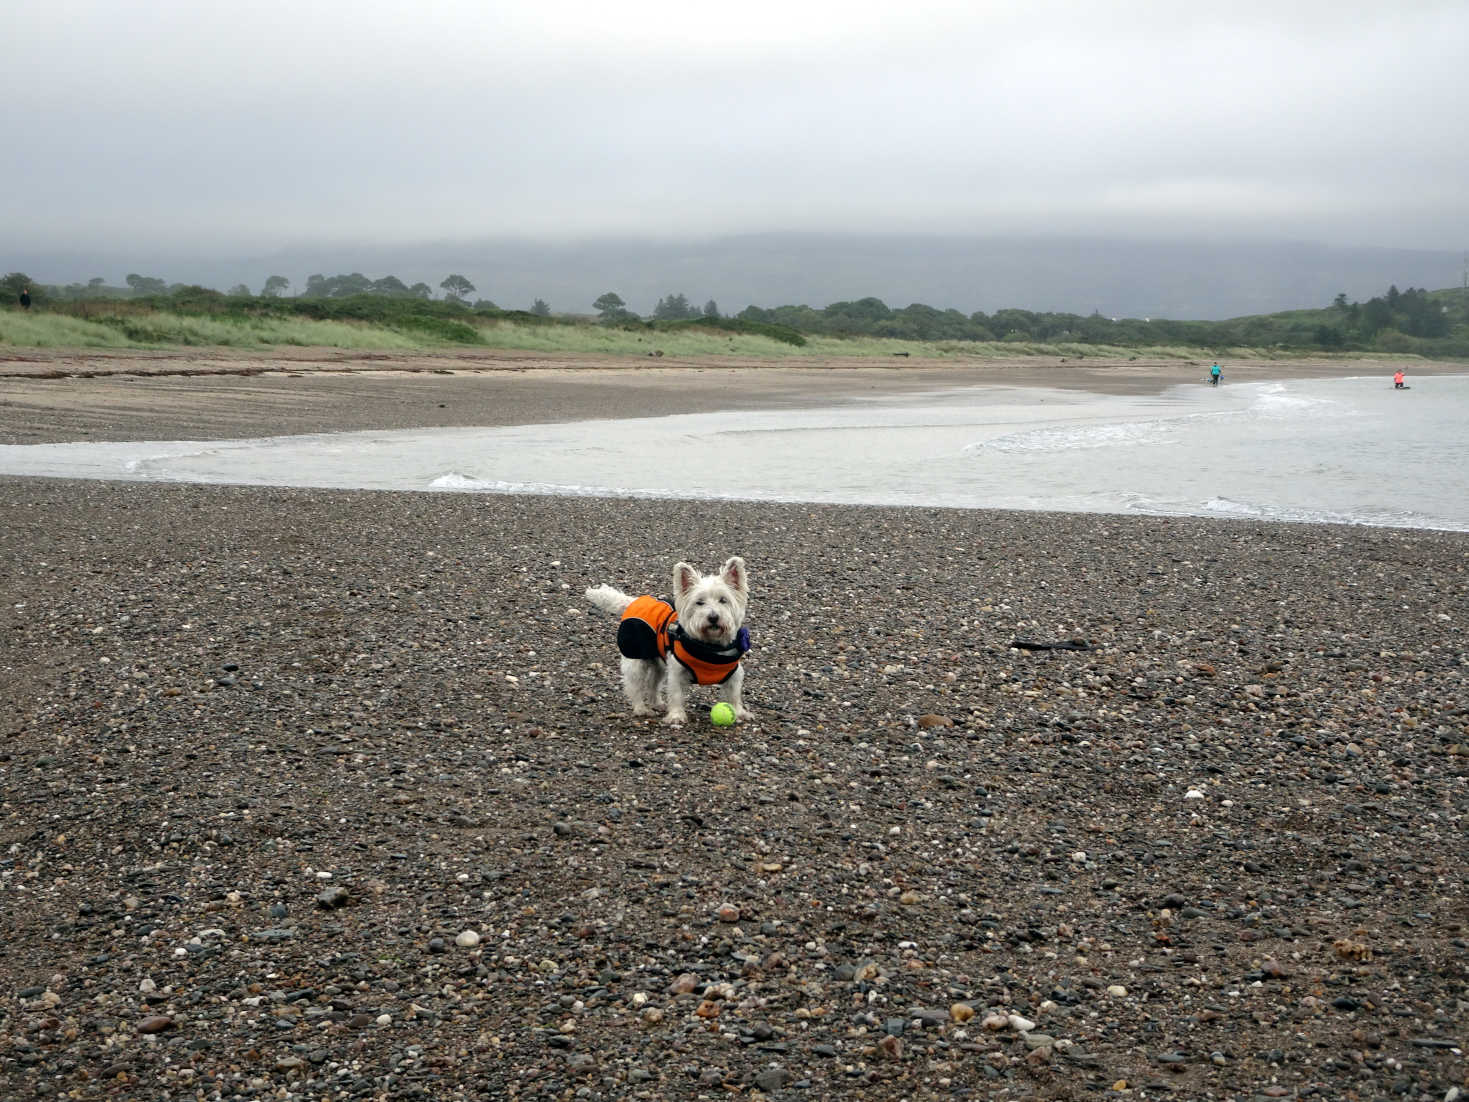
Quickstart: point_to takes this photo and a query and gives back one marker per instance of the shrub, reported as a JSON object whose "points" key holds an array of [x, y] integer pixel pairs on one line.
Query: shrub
{"points": [[444, 329], [783, 333]]}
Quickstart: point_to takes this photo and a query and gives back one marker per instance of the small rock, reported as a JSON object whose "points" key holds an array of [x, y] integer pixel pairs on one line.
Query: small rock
{"points": [[466, 939], [961, 1012], [772, 1079], [1019, 1024], [1117, 991], [332, 898], [155, 1024], [727, 912]]}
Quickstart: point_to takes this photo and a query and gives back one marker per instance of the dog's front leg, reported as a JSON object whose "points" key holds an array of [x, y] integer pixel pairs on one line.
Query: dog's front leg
{"points": [[676, 686], [729, 692]]}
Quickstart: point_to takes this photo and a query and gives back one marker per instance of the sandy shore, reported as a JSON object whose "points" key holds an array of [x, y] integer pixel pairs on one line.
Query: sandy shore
{"points": [[309, 794], [58, 396]]}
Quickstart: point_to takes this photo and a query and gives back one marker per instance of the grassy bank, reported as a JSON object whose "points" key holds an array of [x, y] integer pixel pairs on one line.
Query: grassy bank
{"points": [[161, 329]]}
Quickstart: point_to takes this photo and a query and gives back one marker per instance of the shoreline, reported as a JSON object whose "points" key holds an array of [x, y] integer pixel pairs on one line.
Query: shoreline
{"points": [[67, 396]]}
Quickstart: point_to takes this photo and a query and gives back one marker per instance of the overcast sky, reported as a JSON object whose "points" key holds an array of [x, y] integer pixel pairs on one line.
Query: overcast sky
{"points": [[187, 124]]}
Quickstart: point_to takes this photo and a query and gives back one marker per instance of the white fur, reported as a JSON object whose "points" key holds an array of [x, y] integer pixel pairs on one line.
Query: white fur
{"points": [[710, 607]]}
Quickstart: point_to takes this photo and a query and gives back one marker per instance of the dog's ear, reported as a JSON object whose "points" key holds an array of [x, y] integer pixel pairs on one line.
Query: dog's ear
{"points": [[685, 577], [735, 576]]}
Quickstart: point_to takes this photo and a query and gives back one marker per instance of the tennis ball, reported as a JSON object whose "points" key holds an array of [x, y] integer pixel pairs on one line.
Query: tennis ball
{"points": [[722, 715]]}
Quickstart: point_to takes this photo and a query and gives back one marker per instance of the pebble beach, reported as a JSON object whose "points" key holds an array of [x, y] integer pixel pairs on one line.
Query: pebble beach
{"points": [[334, 795]]}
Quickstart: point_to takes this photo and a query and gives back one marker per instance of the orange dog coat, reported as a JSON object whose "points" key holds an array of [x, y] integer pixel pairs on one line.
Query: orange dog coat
{"points": [[649, 627]]}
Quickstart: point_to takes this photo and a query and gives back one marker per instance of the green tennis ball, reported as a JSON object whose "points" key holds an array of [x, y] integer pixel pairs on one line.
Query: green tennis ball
{"points": [[722, 715]]}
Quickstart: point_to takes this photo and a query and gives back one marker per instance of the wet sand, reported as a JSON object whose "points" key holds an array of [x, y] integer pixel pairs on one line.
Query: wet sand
{"points": [[55, 397]]}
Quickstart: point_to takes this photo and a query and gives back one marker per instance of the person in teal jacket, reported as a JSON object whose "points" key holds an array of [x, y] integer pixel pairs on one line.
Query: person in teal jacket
{"points": [[1215, 374]]}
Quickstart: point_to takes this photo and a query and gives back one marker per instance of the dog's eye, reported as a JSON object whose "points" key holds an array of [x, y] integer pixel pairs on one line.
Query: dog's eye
{"points": [[724, 600]]}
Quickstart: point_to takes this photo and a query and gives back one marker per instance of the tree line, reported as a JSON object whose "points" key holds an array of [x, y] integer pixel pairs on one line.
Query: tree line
{"points": [[457, 289], [1415, 320], [1381, 322]]}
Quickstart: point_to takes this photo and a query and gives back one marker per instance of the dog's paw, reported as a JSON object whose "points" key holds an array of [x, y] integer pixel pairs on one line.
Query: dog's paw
{"points": [[744, 715], [675, 719]]}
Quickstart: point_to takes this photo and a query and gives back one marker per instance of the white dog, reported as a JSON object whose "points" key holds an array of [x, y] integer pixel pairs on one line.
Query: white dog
{"points": [[701, 639]]}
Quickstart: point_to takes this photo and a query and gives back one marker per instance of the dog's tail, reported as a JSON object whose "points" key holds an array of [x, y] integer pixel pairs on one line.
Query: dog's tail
{"points": [[609, 599]]}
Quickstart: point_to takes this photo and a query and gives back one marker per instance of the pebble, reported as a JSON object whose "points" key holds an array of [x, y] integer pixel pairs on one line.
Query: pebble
{"points": [[772, 1079], [466, 939], [816, 821]]}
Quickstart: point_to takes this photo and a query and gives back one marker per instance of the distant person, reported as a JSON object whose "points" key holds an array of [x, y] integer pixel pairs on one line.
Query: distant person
{"points": [[1215, 374], [1397, 380], [25, 298]]}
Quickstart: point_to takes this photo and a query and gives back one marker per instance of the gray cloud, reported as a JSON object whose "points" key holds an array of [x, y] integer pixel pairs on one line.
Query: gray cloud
{"points": [[184, 126]]}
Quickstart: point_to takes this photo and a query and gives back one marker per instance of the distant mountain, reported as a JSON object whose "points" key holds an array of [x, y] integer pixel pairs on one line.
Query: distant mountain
{"points": [[1118, 278]]}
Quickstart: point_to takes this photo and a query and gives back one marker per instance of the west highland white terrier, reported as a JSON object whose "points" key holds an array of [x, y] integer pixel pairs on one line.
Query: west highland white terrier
{"points": [[699, 640]]}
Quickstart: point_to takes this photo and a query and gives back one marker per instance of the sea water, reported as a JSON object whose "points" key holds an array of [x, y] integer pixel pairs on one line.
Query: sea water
{"points": [[1340, 450]]}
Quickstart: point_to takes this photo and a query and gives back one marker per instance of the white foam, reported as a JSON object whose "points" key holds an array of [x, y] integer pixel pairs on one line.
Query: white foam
{"points": [[1125, 434]]}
